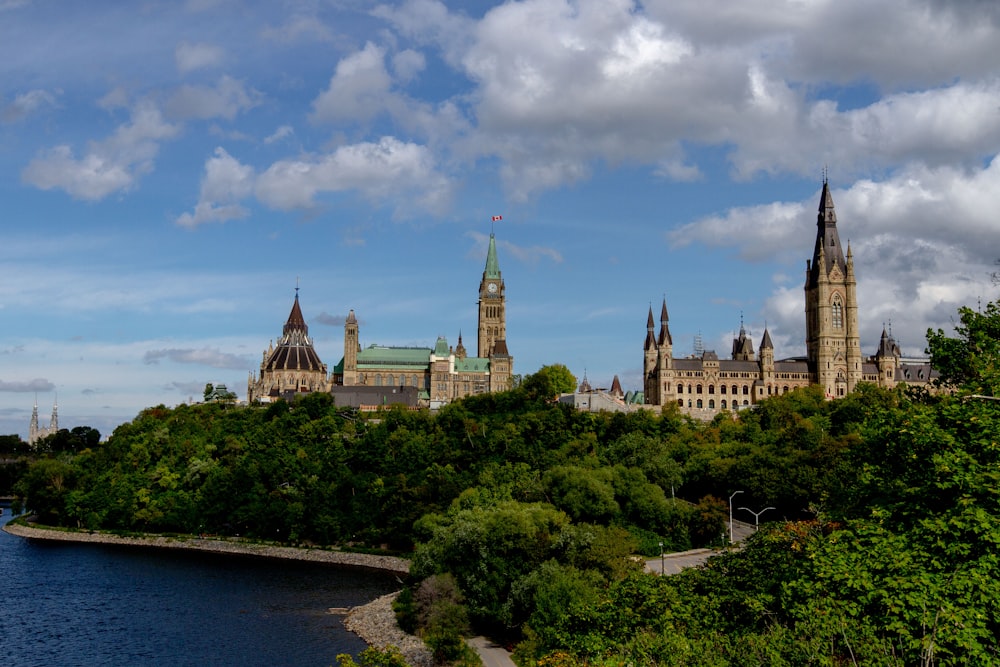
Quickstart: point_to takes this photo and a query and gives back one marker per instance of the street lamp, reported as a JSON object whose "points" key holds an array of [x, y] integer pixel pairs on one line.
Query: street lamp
{"points": [[756, 515], [731, 515], [661, 557]]}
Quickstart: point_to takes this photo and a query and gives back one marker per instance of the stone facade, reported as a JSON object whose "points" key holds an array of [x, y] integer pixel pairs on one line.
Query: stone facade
{"points": [[704, 385]]}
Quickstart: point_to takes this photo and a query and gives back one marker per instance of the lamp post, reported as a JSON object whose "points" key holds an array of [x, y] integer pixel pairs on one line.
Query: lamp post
{"points": [[756, 515], [731, 515], [661, 558]]}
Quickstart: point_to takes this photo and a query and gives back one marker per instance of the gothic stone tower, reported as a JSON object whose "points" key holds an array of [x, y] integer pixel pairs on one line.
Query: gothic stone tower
{"points": [[833, 347], [492, 305]]}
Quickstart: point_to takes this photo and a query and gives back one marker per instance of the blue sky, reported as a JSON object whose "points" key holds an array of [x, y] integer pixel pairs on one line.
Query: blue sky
{"points": [[169, 170]]}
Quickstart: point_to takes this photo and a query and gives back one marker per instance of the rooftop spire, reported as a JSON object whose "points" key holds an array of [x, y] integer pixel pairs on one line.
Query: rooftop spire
{"points": [[492, 265], [827, 239], [295, 323]]}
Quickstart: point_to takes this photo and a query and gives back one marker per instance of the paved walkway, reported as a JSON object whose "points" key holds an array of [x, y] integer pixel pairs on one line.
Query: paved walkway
{"points": [[492, 655]]}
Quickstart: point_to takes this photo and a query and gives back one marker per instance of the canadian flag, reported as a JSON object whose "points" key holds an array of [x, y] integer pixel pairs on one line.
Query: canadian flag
{"points": [[497, 217]]}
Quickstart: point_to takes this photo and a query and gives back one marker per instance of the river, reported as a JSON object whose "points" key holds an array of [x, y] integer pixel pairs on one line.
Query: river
{"points": [[66, 604]]}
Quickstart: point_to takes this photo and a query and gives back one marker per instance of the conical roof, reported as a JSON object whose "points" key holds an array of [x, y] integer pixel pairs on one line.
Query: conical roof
{"points": [[828, 250], [295, 349]]}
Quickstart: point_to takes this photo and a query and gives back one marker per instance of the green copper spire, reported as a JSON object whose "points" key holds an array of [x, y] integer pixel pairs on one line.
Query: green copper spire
{"points": [[492, 265]]}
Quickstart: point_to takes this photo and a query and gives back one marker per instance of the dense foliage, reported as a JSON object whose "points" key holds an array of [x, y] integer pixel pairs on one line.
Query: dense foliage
{"points": [[523, 514]]}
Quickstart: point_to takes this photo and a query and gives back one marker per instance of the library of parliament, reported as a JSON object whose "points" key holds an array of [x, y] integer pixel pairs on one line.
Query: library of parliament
{"points": [[704, 385]]}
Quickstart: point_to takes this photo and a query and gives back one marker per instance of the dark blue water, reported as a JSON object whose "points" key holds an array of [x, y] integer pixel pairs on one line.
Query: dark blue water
{"points": [[81, 604]]}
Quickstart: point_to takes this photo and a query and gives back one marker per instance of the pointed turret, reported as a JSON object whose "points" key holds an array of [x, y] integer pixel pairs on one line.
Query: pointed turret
{"points": [[765, 342], [616, 388], [827, 252], [664, 337], [650, 325]]}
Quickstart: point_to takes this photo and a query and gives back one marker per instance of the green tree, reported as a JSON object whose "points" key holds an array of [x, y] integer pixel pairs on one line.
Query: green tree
{"points": [[549, 381], [971, 360]]}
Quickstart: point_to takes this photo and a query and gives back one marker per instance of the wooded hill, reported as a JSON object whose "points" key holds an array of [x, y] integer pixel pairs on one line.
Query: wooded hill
{"points": [[521, 513]]}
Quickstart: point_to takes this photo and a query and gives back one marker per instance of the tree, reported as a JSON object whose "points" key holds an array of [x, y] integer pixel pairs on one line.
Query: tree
{"points": [[549, 381], [970, 361]]}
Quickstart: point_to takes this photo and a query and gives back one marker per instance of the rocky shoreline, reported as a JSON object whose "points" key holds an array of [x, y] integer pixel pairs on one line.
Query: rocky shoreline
{"points": [[374, 622]]}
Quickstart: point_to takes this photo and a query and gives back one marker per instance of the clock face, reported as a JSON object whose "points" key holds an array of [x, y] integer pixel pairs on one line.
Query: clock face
{"points": [[492, 288]]}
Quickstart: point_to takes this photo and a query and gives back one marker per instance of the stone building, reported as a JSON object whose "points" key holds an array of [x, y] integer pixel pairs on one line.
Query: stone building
{"points": [[704, 384], [35, 431], [438, 374]]}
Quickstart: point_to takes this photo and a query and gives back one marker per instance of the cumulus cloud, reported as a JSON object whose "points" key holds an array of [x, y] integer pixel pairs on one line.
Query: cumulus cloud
{"points": [[358, 90], [227, 98], [204, 356], [190, 57], [388, 171], [108, 166], [26, 386], [612, 82], [226, 182]]}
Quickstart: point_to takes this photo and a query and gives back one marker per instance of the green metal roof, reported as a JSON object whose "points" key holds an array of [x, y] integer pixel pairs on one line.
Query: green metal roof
{"points": [[378, 356], [472, 365]]}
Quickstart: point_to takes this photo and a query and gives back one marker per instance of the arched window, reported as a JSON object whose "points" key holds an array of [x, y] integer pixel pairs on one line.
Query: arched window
{"points": [[734, 390], [680, 402], [746, 390], [699, 389], [711, 389], [711, 403], [723, 404], [391, 381], [838, 313], [378, 379], [784, 390], [699, 403], [722, 389]]}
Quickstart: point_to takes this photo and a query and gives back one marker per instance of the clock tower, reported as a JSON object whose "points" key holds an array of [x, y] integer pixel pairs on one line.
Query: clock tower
{"points": [[492, 304]]}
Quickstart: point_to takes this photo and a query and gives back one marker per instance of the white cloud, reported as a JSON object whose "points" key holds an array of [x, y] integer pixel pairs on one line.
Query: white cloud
{"points": [[358, 90], [26, 104], [108, 166], [190, 57], [227, 98], [387, 171], [226, 182], [279, 134]]}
